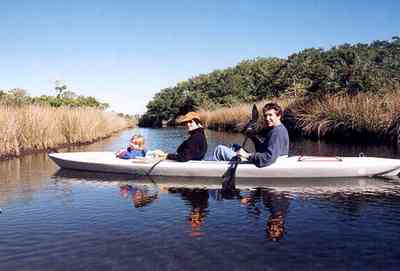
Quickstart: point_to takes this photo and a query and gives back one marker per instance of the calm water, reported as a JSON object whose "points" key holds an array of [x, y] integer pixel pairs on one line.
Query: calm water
{"points": [[69, 220]]}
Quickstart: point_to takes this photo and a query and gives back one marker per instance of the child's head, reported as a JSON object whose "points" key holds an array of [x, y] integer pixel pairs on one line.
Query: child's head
{"points": [[137, 142]]}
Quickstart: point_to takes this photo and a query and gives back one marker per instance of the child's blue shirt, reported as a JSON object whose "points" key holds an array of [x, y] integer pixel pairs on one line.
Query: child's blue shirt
{"points": [[130, 154]]}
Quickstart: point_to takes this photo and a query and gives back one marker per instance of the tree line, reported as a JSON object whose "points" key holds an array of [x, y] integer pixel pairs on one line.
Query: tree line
{"points": [[63, 97], [314, 72]]}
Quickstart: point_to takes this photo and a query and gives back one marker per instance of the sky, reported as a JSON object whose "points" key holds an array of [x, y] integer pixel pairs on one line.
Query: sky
{"points": [[125, 51]]}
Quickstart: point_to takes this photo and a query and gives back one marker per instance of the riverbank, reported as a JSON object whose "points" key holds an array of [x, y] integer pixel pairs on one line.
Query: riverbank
{"points": [[32, 128], [345, 118]]}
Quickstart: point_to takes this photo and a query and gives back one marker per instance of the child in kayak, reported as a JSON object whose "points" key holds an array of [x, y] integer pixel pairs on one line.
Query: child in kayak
{"points": [[134, 150]]}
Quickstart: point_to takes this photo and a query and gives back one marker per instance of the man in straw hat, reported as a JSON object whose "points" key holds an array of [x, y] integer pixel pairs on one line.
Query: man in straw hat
{"points": [[195, 146]]}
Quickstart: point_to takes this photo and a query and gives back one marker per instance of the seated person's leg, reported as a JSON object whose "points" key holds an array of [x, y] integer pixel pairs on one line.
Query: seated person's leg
{"points": [[223, 153]]}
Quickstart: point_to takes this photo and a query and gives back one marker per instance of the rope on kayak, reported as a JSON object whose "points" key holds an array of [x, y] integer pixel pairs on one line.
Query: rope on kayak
{"points": [[153, 166]]}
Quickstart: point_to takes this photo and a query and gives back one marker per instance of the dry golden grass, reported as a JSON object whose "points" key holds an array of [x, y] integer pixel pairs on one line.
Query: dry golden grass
{"points": [[338, 115], [32, 127], [235, 117], [363, 113]]}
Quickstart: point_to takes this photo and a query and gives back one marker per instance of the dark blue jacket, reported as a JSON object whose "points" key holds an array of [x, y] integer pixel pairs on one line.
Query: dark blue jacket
{"points": [[269, 145]]}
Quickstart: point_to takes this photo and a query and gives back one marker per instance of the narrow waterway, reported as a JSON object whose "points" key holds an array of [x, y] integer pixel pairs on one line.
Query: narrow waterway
{"points": [[55, 219]]}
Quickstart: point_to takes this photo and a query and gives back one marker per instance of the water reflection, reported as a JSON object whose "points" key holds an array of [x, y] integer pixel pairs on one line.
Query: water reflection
{"points": [[197, 199], [270, 202], [140, 196], [335, 224], [318, 186], [276, 203], [21, 177]]}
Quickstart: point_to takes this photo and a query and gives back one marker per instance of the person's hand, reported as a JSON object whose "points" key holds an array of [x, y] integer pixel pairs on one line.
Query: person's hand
{"points": [[243, 154], [160, 154], [251, 129]]}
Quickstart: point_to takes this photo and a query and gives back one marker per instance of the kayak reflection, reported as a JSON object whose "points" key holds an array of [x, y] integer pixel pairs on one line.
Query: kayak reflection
{"points": [[267, 201]]}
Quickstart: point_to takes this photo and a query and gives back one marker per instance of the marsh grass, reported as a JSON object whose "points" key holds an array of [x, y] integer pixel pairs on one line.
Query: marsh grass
{"points": [[362, 116], [234, 118], [341, 117], [33, 128]]}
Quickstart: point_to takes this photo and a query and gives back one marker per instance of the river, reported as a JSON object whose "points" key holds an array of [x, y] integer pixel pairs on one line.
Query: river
{"points": [[55, 219]]}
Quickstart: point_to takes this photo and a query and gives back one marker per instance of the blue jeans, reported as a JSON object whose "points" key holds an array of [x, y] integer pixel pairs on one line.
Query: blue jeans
{"points": [[223, 153]]}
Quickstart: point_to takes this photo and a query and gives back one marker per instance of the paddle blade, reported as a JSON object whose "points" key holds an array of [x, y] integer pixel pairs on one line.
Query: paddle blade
{"points": [[251, 126], [228, 182], [254, 114]]}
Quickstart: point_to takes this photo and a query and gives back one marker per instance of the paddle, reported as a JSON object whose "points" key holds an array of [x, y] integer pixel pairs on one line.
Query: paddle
{"points": [[251, 124], [228, 184]]}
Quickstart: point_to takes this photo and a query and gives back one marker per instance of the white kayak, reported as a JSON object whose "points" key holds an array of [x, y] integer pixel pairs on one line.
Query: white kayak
{"points": [[286, 167]]}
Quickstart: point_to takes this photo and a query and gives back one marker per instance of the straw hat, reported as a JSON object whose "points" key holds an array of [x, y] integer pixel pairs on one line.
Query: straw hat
{"points": [[189, 117]]}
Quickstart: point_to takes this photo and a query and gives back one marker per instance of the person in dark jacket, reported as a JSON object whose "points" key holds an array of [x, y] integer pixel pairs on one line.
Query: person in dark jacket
{"points": [[194, 147], [270, 143]]}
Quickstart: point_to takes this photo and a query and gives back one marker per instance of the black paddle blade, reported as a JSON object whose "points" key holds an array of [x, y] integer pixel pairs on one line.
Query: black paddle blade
{"points": [[253, 121], [228, 183], [254, 114]]}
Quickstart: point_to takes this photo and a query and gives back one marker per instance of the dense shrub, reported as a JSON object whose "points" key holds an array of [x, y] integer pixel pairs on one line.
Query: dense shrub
{"points": [[344, 69]]}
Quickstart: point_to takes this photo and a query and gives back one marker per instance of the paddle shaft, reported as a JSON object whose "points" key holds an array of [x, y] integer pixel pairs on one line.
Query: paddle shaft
{"points": [[253, 121], [244, 141], [229, 175]]}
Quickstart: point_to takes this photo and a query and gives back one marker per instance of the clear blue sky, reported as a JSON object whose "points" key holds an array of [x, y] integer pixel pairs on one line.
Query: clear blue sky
{"points": [[123, 52]]}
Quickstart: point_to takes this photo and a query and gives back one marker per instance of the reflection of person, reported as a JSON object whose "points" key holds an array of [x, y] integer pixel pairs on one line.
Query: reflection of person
{"points": [[198, 199], [275, 227], [278, 205], [140, 196], [134, 150], [195, 147], [271, 143], [124, 190]]}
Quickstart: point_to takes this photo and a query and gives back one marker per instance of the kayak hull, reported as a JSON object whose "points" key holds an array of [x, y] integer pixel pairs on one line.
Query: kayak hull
{"points": [[290, 167]]}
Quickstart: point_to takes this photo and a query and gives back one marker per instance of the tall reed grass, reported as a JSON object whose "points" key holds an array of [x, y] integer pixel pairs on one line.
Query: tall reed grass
{"points": [[234, 118], [363, 116], [33, 128], [342, 117]]}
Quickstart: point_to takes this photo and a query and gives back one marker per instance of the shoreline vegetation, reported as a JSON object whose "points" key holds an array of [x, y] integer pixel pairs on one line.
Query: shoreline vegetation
{"points": [[38, 128], [346, 93], [31, 124], [336, 117]]}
